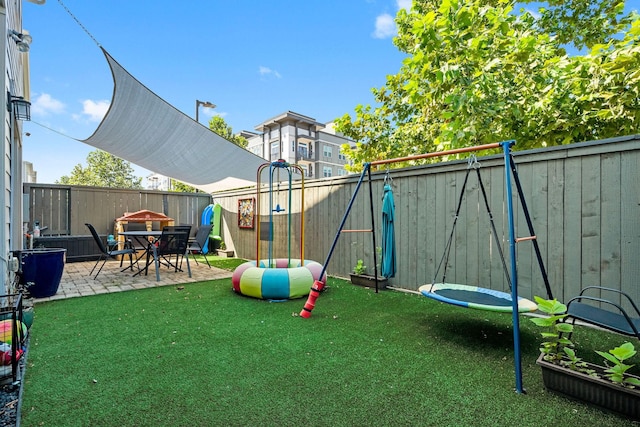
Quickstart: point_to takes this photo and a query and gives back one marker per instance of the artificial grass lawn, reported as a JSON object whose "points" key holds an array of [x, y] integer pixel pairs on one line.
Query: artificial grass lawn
{"points": [[200, 355], [224, 263]]}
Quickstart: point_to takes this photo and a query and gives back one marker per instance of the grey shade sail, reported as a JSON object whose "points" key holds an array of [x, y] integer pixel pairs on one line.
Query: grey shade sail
{"points": [[144, 129]]}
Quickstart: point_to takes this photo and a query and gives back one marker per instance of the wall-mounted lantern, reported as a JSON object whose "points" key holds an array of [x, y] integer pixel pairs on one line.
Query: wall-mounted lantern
{"points": [[21, 107]]}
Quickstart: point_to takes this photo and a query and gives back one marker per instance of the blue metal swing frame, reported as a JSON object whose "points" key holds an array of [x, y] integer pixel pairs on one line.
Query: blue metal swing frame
{"points": [[509, 166]]}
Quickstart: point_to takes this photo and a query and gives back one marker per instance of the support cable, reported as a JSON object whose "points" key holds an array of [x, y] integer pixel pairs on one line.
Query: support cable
{"points": [[79, 23]]}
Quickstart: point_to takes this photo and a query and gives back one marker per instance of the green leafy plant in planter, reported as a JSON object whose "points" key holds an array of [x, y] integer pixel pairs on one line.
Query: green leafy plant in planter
{"points": [[361, 278], [609, 387], [555, 345], [575, 363], [223, 251], [360, 268], [616, 372]]}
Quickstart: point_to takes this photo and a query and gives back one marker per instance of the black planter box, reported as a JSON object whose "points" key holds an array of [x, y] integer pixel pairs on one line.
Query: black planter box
{"points": [[225, 253], [596, 391], [368, 281]]}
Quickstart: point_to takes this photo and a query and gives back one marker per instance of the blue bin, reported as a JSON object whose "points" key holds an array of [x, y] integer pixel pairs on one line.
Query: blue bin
{"points": [[42, 267]]}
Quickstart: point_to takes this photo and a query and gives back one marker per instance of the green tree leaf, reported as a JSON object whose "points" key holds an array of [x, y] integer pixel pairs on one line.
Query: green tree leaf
{"points": [[103, 170], [623, 352], [220, 126]]}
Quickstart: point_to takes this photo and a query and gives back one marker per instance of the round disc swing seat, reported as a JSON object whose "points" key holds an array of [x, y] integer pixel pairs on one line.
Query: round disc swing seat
{"points": [[469, 296], [475, 297]]}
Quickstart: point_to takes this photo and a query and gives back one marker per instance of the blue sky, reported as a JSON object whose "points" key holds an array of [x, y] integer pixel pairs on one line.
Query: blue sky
{"points": [[254, 59]]}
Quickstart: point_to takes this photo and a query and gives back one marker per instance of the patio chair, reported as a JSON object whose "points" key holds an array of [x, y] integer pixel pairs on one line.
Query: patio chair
{"points": [[105, 253], [610, 315], [173, 241], [180, 228], [192, 230], [197, 244]]}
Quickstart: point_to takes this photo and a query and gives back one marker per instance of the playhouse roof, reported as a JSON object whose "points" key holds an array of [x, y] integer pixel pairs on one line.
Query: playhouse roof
{"points": [[144, 215]]}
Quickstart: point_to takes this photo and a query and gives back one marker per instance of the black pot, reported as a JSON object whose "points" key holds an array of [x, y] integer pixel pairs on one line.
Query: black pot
{"points": [[43, 268], [368, 281]]}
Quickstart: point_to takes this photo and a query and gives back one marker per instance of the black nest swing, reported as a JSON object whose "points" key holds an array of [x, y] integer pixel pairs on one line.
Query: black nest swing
{"points": [[477, 297]]}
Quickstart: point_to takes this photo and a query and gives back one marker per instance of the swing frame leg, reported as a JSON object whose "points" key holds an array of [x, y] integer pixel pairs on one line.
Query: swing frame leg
{"points": [[506, 148]]}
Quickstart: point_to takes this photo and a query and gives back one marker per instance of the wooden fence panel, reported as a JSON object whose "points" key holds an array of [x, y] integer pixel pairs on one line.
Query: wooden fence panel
{"points": [[456, 271], [591, 221], [65, 209], [335, 199], [532, 176], [572, 245], [443, 215], [50, 207], [629, 230], [554, 259], [496, 184], [423, 244], [583, 199], [610, 231], [426, 253]]}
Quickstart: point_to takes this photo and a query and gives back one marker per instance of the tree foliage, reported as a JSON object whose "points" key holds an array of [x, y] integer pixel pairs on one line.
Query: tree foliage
{"points": [[582, 23], [103, 170], [476, 72], [181, 187], [219, 126]]}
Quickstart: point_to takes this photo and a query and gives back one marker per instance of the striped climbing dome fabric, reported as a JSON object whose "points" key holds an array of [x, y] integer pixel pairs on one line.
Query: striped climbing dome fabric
{"points": [[277, 279]]}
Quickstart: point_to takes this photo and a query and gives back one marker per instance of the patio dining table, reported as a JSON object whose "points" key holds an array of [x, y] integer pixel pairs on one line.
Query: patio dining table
{"points": [[145, 238]]}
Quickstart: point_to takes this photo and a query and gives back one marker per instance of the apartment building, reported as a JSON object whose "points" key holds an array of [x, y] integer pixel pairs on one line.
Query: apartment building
{"points": [[155, 181], [29, 175], [300, 139]]}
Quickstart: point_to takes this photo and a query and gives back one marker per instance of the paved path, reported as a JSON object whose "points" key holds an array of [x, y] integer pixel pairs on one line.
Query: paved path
{"points": [[76, 281]]}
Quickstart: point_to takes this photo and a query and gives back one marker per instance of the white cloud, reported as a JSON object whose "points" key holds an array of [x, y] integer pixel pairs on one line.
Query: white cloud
{"points": [[404, 4], [208, 113], [265, 71], [385, 27], [533, 13], [44, 105], [95, 109]]}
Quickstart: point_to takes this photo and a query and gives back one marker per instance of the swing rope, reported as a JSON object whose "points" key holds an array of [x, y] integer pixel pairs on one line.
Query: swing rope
{"points": [[473, 164], [493, 229], [274, 169], [387, 178], [447, 250]]}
